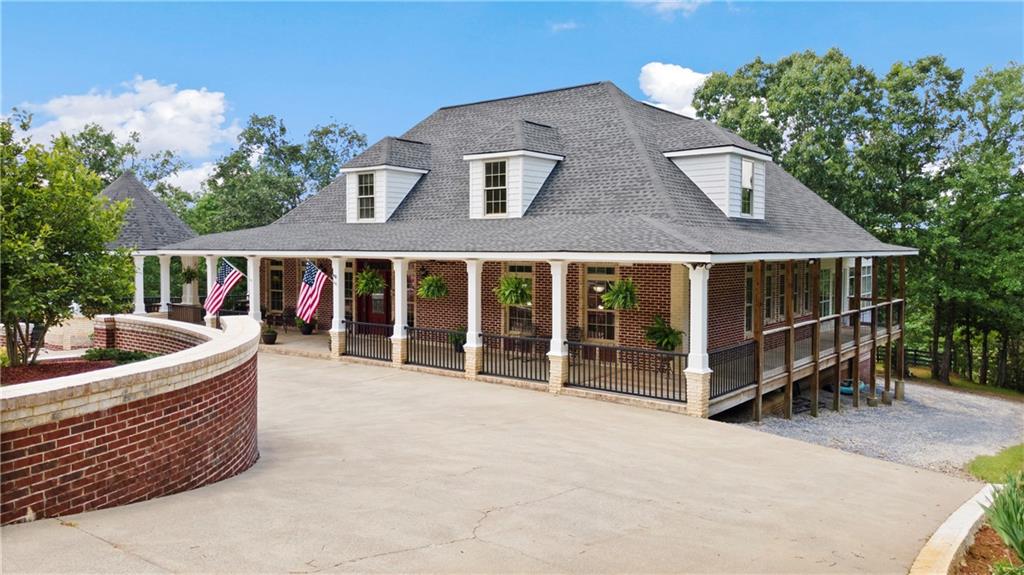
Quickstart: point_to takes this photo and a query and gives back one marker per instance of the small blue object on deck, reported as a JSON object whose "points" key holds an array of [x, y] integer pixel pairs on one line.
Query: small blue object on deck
{"points": [[846, 388]]}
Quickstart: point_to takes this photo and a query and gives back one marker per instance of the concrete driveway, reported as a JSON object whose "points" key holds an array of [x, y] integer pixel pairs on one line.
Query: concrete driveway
{"points": [[368, 469]]}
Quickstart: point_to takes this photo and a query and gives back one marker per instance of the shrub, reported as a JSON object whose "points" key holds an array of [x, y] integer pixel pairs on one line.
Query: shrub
{"points": [[514, 290], [432, 287], [621, 294], [1006, 513], [4, 360], [118, 356], [664, 336]]}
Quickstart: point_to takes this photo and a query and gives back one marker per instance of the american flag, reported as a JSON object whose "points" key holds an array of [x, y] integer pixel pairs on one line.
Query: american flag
{"points": [[227, 276], [309, 294]]}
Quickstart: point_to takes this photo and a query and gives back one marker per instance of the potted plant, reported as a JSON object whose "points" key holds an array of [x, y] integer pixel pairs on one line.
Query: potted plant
{"points": [[432, 287], [458, 339], [369, 281], [269, 335], [621, 294], [514, 290], [305, 327], [662, 335], [189, 275]]}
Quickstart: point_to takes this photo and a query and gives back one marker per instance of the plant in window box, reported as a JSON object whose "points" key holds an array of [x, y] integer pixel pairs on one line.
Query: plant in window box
{"points": [[458, 339], [514, 290], [432, 287], [305, 327], [369, 281], [269, 335], [621, 294], [662, 335]]}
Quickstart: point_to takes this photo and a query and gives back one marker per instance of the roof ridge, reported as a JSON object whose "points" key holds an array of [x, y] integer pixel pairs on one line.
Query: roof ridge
{"points": [[618, 96], [488, 101]]}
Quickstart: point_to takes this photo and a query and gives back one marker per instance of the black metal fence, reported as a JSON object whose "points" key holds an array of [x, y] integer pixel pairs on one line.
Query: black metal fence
{"points": [[369, 340], [632, 371], [440, 348], [515, 357], [732, 369]]}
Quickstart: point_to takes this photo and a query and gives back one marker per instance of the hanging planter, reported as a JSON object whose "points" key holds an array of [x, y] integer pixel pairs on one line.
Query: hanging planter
{"points": [[369, 281], [189, 275], [432, 287], [662, 335], [621, 294], [514, 290]]}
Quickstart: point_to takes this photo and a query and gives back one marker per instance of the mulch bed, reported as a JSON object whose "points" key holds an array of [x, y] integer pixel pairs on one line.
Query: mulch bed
{"points": [[986, 550], [49, 369]]}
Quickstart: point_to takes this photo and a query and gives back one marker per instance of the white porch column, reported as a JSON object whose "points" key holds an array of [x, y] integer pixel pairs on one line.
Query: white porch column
{"points": [[253, 281], [398, 280], [698, 372], [140, 285], [211, 280], [338, 298], [557, 354], [474, 356], [165, 283], [190, 292]]}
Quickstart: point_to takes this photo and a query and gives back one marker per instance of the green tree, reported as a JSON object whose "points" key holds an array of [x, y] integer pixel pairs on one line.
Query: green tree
{"points": [[56, 228], [268, 174]]}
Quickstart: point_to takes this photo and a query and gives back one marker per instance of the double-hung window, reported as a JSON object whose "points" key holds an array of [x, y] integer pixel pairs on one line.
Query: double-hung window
{"points": [[495, 188], [748, 301], [601, 322], [747, 187], [826, 304], [365, 197], [519, 318]]}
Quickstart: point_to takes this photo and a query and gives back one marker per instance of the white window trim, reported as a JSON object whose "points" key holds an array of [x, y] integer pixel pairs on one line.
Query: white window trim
{"points": [[512, 154], [719, 150], [382, 167]]}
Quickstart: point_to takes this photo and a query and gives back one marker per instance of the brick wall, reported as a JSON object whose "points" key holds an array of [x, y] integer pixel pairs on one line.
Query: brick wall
{"points": [[448, 312], [653, 296], [725, 306], [85, 446]]}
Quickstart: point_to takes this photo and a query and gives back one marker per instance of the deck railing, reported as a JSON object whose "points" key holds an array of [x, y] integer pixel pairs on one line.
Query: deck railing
{"points": [[803, 343], [186, 313], [515, 357], [732, 369], [440, 348], [368, 340], [628, 370], [827, 336], [776, 343]]}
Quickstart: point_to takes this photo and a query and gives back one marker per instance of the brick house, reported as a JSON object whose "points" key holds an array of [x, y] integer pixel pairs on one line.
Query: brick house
{"points": [[573, 191]]}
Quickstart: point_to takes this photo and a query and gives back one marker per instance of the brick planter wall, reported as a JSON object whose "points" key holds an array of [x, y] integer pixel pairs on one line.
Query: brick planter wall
{"points": [[132, 432]]}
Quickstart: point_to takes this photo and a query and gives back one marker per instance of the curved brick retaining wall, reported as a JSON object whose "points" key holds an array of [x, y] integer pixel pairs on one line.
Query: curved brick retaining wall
{"points": [[132, 432]]}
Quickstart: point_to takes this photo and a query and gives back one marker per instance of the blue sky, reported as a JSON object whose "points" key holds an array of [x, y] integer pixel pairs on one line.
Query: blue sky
{"points": [[189, 74]]}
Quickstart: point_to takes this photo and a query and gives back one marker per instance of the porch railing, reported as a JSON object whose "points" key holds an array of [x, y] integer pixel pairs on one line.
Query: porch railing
{"points": [[732, 369], [515, 357], [632, 371], [368, 340], [827, 336], [186, 313], [440, 348]]}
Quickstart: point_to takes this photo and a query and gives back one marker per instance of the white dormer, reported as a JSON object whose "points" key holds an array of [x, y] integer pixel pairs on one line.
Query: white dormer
{"points": [[504, 184], [732, 177], [372, 194]]}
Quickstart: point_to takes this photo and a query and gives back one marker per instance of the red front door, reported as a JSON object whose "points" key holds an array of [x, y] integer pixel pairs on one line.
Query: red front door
{"points": [[376, 307]]}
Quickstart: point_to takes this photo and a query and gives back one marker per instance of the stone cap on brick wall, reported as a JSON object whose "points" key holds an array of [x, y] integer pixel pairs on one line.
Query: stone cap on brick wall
{"points": [[30, 404]]}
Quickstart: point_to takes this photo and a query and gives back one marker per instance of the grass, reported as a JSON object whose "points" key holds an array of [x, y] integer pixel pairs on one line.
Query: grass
{"points": [[996, 468], [924, 375]]}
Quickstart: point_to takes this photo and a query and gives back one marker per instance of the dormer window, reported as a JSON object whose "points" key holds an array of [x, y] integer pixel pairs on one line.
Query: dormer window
{"points": [[366, 196], [747, 187], [495, 189]]}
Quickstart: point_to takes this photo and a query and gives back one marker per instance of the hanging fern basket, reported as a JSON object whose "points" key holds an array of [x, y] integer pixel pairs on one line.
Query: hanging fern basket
{"points": [[432, 287], [514, 290], [369, 281], [621, 294], [662, 335]]}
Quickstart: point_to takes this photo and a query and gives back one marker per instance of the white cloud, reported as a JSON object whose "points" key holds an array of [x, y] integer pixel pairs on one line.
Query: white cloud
{"points": [[191, 180], [188, 121], [669, 8], [671, 86], [557, 27]]}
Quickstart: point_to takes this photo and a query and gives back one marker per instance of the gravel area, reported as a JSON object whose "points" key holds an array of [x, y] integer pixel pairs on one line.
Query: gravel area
{"points": [[933, 428]]}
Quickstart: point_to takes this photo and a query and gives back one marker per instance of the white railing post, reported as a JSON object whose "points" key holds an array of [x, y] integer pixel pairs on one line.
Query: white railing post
{"points": [[474, 355], [398, 338], [338, 296], [165, 283], [140, 285], [211, 280], [698, 372], [253, 282], [190, 291], [557, 354]]}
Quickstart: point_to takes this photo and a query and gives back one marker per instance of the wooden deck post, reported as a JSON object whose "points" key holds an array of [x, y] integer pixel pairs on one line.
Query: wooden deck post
{"points": [[789, 293], [837, 308], [815, 334], [887, 391], [758, 328], [872, 370], [855, 304], [901, 355]]}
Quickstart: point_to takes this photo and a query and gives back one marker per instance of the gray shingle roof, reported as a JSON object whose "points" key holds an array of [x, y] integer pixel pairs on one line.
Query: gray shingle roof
{"points": [[613, 192], [523, 135], [394, 152], [149, 223]]}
